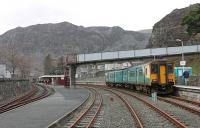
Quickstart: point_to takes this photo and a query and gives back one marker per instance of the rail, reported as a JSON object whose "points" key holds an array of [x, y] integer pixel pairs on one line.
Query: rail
{"points": [[32, 96], [166, 115], [131, 109]]}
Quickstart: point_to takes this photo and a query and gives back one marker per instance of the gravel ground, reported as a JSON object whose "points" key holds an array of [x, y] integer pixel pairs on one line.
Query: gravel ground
{"points": [[115, 113], [186, 103], [150, 118], [190, 119]]}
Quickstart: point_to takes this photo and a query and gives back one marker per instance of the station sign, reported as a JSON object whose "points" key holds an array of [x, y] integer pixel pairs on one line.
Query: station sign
{"points": [[182, 63]]}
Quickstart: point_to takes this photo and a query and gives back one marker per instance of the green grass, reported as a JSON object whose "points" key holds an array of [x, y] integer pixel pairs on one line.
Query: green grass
{"points": [[191, 61]]}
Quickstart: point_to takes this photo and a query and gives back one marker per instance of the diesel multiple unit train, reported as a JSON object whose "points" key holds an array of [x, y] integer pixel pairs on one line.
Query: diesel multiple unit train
{"points": [[156, 76]]}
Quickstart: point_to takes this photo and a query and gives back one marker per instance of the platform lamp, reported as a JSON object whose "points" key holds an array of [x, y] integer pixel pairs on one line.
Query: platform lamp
{"points": [[178, 40]]}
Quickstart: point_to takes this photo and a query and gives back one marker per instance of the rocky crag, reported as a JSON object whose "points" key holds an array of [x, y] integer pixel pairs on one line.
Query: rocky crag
{"points": [[168, 29]]}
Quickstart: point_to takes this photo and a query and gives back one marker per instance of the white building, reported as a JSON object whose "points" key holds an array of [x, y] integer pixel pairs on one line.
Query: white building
{"points": [[113, 66], [3, 72]]}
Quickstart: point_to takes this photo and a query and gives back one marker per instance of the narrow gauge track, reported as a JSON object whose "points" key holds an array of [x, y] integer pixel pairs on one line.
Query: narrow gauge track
{"points": [[84, 115], [87, 118], [36, 93], [19, 99]]}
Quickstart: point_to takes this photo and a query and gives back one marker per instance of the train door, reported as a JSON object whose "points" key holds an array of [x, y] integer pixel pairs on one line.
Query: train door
{"points": [[162, 74]]}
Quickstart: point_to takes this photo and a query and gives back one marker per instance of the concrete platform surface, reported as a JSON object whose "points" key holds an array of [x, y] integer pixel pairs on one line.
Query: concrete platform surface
{"points": [[41, 113], [187, 87]]}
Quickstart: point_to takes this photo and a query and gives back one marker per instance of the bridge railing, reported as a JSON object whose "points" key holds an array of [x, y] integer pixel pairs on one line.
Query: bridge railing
{"points": [[137, 53]]}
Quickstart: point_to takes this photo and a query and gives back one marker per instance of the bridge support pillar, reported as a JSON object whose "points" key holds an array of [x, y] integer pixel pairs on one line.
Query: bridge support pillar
{"points": [[72, 73], [52, 81]]}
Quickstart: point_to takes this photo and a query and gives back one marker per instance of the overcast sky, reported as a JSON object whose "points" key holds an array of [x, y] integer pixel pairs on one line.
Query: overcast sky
{"points": [[128, 14]]}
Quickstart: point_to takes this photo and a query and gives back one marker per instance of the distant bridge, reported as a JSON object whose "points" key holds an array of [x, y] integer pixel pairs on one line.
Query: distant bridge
{"points": [[127, 55]]}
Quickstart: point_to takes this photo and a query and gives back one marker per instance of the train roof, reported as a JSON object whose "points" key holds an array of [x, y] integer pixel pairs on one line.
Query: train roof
{"points": [[155, 61], [145, 63], [150, 62]]}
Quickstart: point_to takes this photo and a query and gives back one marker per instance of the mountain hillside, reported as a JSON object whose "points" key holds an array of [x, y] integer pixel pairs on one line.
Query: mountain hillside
{"points": [[63, 38]]}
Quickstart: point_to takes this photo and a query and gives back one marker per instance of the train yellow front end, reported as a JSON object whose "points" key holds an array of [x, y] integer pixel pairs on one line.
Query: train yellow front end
{"points": [[162, 76]]}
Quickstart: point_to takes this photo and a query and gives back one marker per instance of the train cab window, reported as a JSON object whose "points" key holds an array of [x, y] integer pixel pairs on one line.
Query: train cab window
{"points": [[146, 71], [170, 68], [154, 68]]}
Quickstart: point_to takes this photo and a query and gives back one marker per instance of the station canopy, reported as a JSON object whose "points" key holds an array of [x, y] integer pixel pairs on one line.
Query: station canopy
{"points": [[51, 76]]}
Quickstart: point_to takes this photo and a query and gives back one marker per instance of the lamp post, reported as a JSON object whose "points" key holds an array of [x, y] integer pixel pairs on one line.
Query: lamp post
{"points": [[178, 40], [182, 63]]}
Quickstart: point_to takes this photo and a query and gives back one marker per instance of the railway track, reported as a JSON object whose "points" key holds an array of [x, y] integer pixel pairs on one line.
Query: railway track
{"points": [[36, 93], [181, 112], [85, 115], [196, 103], [136, 119], [185, 104], [171, 118], [190, 105]]}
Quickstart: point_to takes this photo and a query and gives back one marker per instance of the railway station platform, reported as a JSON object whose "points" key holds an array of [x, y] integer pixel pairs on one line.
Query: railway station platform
{"points": [[189, 92], [188, 87], [40, 114]]}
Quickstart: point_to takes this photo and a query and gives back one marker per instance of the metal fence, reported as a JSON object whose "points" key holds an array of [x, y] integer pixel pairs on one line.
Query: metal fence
{"points": [[137, 53], [13, 88]]}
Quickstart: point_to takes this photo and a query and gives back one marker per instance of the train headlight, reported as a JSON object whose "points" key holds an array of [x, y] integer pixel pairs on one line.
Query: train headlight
{"points": [[154, 80]]}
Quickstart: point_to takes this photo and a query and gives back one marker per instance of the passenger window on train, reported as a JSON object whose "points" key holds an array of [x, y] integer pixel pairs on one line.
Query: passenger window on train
{"points": [[140, 72], [169, 68], [132, 74], [154, 68]]}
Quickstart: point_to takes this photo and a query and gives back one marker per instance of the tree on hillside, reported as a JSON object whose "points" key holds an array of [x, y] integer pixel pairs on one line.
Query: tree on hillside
{"points": [[15, 60], [192, 21], [24, 66], [48, 64], [61, 65], [12, 56]]}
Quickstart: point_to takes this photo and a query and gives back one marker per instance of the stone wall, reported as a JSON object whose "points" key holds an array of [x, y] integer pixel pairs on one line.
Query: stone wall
{"points": [[194, 81], [191, 94], [10, 89]]}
